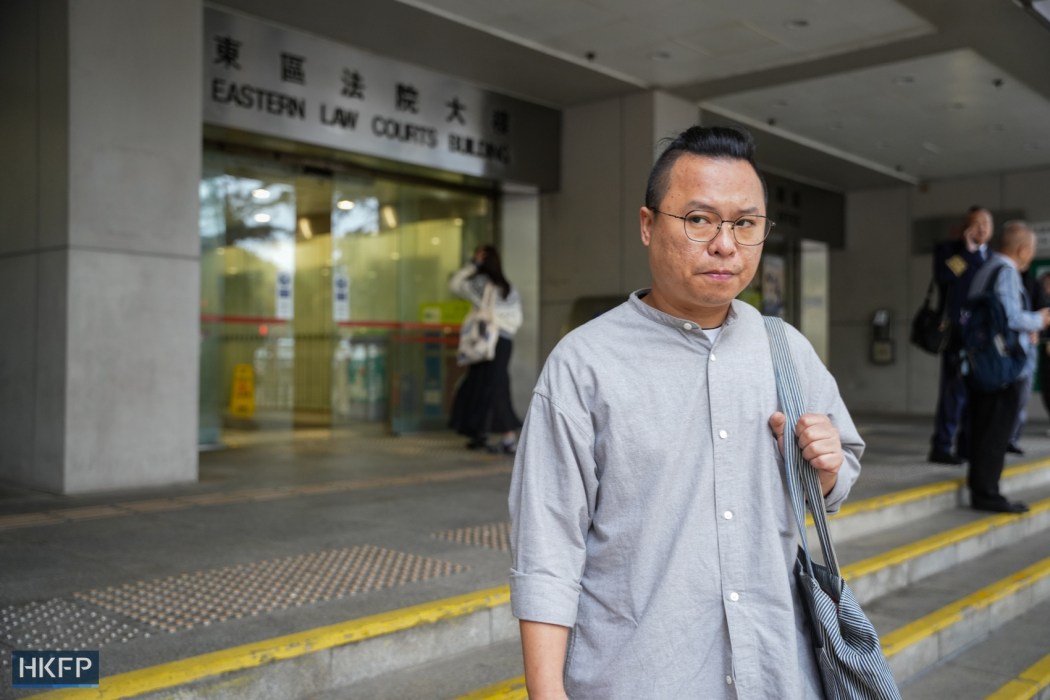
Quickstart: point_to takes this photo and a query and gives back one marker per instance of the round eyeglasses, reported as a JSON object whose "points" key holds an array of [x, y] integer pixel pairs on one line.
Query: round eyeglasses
{"points": [[703, 226]]}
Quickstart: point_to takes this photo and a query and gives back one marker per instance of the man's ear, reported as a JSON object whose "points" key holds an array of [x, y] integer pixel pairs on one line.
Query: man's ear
{"points": [[645, 220]]}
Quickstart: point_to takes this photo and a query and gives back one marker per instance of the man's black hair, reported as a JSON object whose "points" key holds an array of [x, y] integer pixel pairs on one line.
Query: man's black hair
{"points": [[707, 141]]}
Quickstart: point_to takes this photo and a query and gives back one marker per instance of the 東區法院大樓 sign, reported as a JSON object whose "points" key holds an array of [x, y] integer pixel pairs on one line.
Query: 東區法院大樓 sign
{"points": [[272, 80]]}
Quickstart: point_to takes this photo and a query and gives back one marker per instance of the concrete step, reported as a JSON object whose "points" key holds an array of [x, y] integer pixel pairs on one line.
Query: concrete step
{"points": [[451, 677], [1009, 664], [324, 662], [863, 516], [946, 612], [912, 552]]}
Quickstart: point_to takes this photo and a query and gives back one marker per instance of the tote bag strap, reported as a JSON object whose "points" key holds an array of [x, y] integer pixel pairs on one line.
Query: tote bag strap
{"points": [[803, 482]]}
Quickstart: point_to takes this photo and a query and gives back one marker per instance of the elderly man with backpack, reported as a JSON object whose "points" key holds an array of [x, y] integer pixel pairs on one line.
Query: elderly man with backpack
{"points": [[998, 331]]}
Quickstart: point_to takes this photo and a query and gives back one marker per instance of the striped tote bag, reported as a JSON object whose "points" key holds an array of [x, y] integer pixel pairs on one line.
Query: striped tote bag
{"points": [[852, 666]]}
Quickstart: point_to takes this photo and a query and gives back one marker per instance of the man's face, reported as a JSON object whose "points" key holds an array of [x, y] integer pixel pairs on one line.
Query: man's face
{"points": [[979, 228], [699, 280], [1026, 253]]}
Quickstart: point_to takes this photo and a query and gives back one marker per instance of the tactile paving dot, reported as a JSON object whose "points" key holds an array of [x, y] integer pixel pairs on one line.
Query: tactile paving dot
{"points": [[61, 624], [491, 535], [206, 597]]}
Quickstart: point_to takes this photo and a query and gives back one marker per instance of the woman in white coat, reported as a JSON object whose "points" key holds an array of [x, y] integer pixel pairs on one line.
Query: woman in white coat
{"points": [[482, 404]]}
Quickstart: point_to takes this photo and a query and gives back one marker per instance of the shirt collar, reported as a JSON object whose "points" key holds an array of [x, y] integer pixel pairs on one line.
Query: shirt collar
{"points": [[662, 318]]}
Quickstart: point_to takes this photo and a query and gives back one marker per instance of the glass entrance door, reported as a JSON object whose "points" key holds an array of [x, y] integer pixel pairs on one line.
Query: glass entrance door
{"points": [[325, 298]]}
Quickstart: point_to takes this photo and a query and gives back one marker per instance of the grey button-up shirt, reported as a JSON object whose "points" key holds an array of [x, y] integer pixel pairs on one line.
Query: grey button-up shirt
{"points": [[650, 514]]}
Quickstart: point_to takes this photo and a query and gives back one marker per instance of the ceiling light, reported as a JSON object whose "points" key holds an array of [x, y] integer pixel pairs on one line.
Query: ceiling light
{"points": [[262, 218], [796, 24], [261, 193], [345, 204]]}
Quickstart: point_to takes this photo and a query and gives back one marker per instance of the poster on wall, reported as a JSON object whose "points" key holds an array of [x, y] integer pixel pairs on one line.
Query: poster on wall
{"points": [[340, 294], [285, 309], [773, 285]]}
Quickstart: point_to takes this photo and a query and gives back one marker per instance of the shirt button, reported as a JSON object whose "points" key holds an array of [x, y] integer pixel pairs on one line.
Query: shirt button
{"points": [[734, 596], [713, 358], [687, 326], [729, 680], [728, 515], [723, 434]]}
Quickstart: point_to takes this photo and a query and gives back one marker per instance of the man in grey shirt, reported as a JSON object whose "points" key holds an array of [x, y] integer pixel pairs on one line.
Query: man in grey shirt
{"points": [[652, 536]]}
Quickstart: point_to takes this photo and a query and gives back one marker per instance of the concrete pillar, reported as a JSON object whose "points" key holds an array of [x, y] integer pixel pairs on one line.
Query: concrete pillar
{"points": [[590, 244], [100, 251]]}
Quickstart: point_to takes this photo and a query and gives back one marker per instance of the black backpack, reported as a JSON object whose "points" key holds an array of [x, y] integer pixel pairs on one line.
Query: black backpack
{"points": [[994, 357]]}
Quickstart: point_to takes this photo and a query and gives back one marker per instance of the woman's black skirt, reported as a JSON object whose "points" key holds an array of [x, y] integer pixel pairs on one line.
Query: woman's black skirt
{"points": [[482, 404]]}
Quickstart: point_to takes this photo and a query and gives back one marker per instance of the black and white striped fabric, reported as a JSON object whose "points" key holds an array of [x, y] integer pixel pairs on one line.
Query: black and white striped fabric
{"points": [[847, 647]]}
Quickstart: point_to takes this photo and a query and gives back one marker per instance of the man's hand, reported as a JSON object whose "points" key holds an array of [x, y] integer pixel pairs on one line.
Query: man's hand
{"points": [[820, 443]]}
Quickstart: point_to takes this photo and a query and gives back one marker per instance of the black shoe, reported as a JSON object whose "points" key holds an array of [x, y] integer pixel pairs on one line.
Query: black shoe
{"points": [[1001, 506], [1014, 449], [503, 448], [938, 457]]}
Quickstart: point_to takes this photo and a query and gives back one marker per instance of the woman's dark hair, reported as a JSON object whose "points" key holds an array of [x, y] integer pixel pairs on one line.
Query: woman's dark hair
{"points": [[493, 269], [709, 142]]}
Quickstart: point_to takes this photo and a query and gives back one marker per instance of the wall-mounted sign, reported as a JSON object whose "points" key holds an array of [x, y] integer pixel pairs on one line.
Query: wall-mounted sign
{"points": [[272, 80]]}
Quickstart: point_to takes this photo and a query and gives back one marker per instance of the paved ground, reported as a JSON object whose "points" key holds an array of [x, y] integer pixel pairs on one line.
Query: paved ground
{"points": [[280, 537]]}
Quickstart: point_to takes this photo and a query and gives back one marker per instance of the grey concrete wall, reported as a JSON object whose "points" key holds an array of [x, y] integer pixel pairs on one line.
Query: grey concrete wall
{"points": [[520, 214], [590, 243], [33, 238], [878, 269], [103, 242]]}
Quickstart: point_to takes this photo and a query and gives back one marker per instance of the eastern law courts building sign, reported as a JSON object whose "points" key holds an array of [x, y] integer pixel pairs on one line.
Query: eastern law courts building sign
{"points": [[267, 79]]}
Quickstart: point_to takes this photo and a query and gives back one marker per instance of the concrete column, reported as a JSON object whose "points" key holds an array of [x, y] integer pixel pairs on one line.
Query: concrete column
{"points": [[520, 224], [590, 244], [102, 248]]}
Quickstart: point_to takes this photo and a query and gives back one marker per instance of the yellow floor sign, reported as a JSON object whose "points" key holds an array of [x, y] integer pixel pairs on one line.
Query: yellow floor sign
{"points": [[242, 394]]}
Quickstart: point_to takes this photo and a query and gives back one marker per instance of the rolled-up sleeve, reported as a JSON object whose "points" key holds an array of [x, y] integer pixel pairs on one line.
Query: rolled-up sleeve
{"points": [[552, 498]]}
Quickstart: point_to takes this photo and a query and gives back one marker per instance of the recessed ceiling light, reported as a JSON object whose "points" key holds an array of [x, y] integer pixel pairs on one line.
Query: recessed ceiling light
{"points": [[659, 55], [262, 218], [261, 193], [345, 204], [796, 24]]}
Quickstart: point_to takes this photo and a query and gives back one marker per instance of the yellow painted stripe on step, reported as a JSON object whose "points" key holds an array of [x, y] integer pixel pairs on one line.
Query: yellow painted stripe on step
{"points": [[184, 671], [938, 541], [928, 491], [1027, 685], [510, 689], [928, 625]]}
